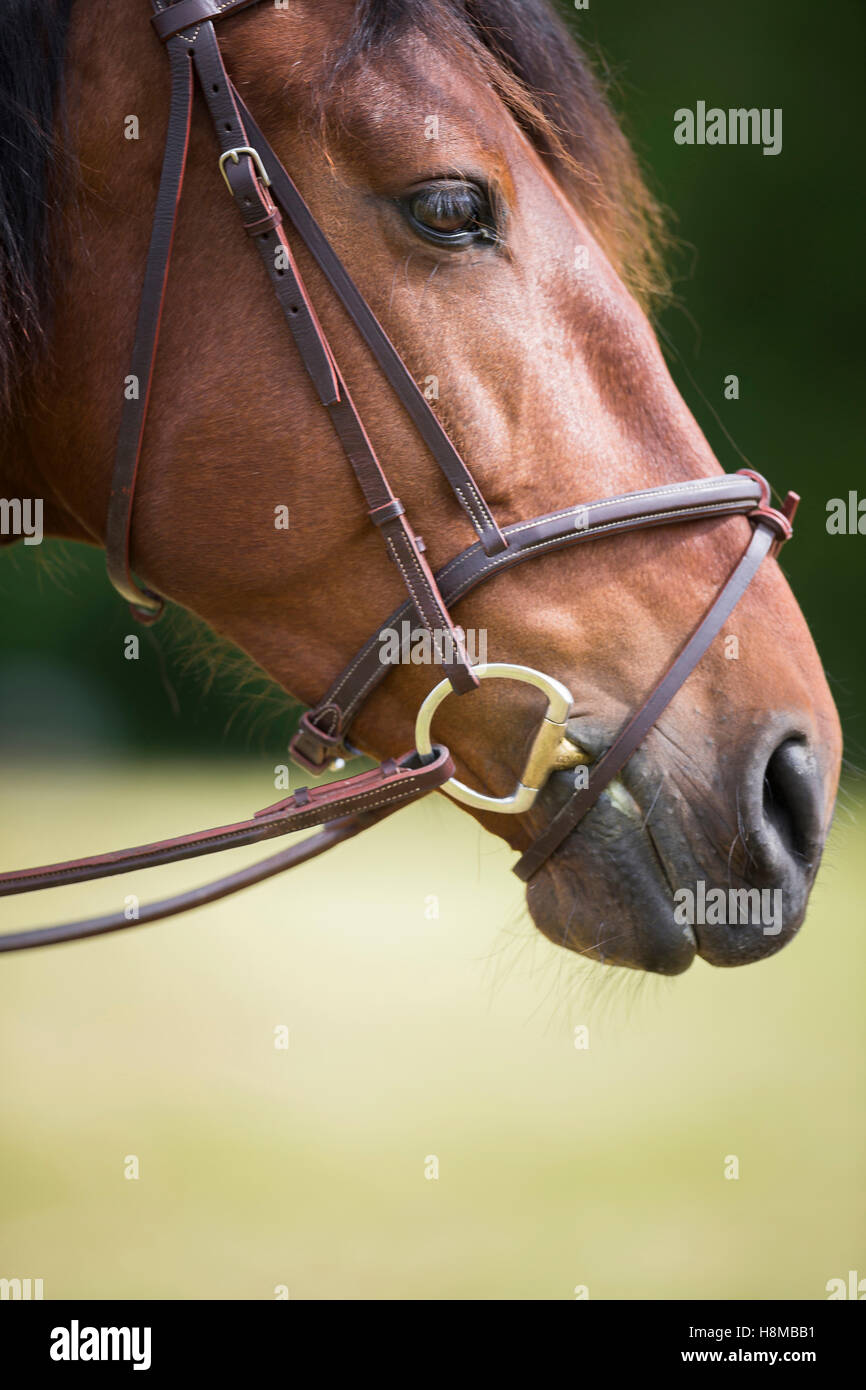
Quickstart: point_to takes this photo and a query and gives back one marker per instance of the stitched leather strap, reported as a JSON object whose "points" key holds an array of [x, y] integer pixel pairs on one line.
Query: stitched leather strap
{"points": [[147, 913], [322, 730], [146, 605], [394, 782], [189, 12], [461, 481], [347, 807]]}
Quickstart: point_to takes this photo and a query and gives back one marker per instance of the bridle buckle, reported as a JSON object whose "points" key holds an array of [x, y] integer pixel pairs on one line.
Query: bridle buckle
{"points": [[234, 156]]}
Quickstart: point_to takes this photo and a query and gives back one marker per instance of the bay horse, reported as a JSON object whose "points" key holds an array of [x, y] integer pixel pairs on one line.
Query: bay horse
{"points": [[463, 162]]}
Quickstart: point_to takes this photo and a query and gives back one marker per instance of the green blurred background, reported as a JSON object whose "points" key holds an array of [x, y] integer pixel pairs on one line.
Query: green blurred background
{"points": [[411, 1035]]}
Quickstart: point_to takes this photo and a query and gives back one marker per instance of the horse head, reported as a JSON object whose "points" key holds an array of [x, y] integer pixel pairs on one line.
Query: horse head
{"points": [[465, 166]]}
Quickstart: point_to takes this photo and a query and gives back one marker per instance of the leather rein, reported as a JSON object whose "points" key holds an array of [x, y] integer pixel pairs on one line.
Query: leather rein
{"points": [[267, 199]]}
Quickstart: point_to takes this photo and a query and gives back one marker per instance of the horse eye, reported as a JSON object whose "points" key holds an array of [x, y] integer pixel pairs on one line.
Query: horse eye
{"points": [[450, 213]]}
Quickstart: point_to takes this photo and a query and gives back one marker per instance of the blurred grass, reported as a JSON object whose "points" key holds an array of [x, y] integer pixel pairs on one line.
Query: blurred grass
{"points": [[409, 1037]]}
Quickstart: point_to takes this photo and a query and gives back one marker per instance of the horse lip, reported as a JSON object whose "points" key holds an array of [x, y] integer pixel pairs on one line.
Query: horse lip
{"points": [[727, 950], [656, 943], [688, 930]]}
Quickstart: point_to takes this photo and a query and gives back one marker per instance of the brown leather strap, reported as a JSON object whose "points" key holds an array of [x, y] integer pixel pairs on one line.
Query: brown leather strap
{"points": [[322, 731], [347, 807], [146, 605], [396, 372], [146, 913], [772, 528], [249, 172], [261, 218], [185, 13], [395, 782]]}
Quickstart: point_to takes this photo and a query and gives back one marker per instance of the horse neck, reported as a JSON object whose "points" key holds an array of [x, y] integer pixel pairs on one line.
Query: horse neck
{"points": [[24, 476]]}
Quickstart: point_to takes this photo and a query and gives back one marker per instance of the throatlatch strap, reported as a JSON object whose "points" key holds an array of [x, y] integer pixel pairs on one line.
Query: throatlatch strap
{"points": [[146, 605]]}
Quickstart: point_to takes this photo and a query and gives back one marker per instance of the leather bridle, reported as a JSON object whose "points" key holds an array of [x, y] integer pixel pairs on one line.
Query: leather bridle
{"points": [[267, 200]]}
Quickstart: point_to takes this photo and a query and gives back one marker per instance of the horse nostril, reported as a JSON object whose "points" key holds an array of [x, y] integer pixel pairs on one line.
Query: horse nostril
{"points": [[791, 805]]}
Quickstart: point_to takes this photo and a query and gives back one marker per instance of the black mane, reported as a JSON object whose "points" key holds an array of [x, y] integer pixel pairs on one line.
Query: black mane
{"points": [[32, 47]]}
